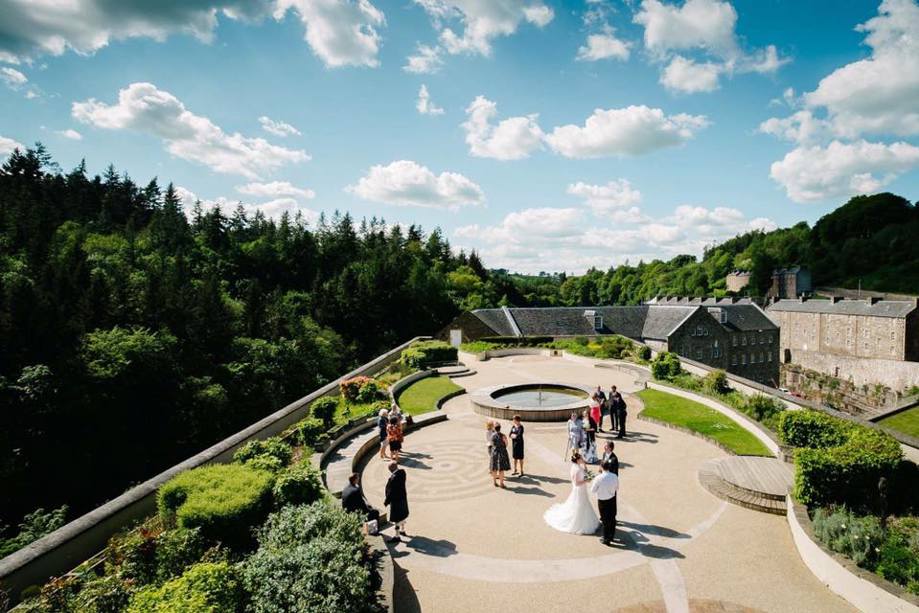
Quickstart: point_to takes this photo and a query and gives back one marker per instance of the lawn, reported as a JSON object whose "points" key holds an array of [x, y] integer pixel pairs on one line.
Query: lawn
{"points": [[906, 422], [699, 418], [422, 396]]}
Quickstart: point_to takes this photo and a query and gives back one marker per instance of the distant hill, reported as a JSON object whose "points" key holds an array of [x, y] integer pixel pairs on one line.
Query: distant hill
{"points": [[873, 240]]}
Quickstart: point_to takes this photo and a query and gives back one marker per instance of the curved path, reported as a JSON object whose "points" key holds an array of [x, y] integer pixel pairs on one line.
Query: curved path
{"points": [[477, 547]]}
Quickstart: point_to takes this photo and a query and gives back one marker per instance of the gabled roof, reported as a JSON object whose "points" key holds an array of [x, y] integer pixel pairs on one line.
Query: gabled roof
{"points": [[881, 308], [496, 320]]}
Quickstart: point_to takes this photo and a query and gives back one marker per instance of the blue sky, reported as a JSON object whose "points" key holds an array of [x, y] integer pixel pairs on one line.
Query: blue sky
{"points": [[556, 135]]}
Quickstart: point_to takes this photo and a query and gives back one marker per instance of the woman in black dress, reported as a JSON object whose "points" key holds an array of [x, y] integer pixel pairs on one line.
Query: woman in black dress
{"points": [[499, 460], [517, 445]]}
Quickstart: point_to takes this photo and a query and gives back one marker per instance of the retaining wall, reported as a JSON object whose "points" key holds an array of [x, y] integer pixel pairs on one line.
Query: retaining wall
{"points": [[65, 548]]}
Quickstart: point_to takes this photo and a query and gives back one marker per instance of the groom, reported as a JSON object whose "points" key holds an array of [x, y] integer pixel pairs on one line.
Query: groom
{"points": [[604, 487]]}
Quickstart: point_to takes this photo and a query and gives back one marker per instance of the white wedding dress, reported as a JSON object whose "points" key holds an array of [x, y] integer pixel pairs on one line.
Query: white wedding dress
{"points": [[576, 515]]}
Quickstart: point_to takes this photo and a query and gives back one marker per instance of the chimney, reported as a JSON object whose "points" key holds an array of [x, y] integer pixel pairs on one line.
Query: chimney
{"points": [[874, 300], [803, 298], [836, 299]]}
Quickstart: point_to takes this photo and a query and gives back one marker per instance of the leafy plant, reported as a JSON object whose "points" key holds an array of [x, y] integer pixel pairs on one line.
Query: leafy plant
{"points": [[324, 410], [716, 382], [273, 447], [297, 485], [309, 431], [35, 525], [858, 538], [208, 587], [665, 366]]}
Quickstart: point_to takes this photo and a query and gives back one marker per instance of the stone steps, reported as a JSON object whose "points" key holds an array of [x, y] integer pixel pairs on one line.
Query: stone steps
{"points": [[711, 479], [455, 371]]}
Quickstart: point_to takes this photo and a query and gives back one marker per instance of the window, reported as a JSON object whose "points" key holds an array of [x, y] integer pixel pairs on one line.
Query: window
{"points": [[733, 359], [705, 331], [743, 359], [734, 339], [698, 330], [770, 339], [598, 322], [698, 353], [769, 356], [743, 341], [716, 351]]}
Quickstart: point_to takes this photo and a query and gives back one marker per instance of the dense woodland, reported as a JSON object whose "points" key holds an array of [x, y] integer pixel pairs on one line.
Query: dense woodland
{"points": [[134, 333]]}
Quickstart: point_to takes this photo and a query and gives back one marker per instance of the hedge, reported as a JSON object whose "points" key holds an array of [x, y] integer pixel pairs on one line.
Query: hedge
{"points": [[424, 353], [208, 587], [666, 366], [837, 462], [272, 447], [324, 409], [223, 500]]}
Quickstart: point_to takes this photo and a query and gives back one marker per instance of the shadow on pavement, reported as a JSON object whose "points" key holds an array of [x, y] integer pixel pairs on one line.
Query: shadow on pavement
{"points": [[404, 597], [655, 530], [421, 544]]}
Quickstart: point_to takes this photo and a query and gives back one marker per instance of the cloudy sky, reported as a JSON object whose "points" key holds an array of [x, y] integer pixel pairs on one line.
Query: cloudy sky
{"points": [[548, 134]]}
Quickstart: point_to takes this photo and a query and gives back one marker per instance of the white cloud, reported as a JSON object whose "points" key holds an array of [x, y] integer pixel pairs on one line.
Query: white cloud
{"points": [[511, 139], [407, 183], [71, 134], [272, 209], [880, 94], [604, 199], [427, 60], [632, 130], [816, 173], [31, 29], [275, 189], [604, 46], [278, 128], [765, 61], [801, 127], [482, 21], [685, 75], [425, 105], [12, 77], [707, 24], [340, 32], [538, 239], [8, 145], [144, 108]]}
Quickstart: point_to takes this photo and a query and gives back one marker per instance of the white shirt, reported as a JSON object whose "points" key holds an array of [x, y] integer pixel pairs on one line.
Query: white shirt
{"points": [[605, 485]]}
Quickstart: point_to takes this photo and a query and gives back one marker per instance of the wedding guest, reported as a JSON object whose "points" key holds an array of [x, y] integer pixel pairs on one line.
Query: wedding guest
{"points": [[590, 434], [575, 432], [499, 459], [517, 445], [600, 397], [596, 416], [613, 401], [621, 413], [605, 487], [609, 456], [397, 500], [396, 411], [382, 423], [395, 436], [489, 432], [353, 500]]}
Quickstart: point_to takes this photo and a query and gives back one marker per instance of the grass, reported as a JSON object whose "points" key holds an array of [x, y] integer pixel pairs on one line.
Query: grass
{"points": [[699, 418], [422, 396], [906, 422]]}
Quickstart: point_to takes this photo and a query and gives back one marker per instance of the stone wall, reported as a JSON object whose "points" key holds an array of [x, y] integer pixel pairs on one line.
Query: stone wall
{"points": [[894, 374], [843, 335], [866, 400]]}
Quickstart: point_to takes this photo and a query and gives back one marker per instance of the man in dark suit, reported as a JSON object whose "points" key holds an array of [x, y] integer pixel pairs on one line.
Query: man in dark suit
{"points": [[609, 457], [600, 397], [621, 414], [353, 500], [397, 500], [613, 401]]}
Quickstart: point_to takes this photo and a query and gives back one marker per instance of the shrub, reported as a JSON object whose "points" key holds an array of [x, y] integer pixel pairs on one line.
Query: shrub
{"points": [[223, 500], [848, 473], [309, 432], [687, 381], [310, 558], [272, 447], [268, 463], [132, 555], [581, 340], [665, 366], [208, 587], [762, 408], [296, 486], [176, 550], [108, 594], [35, 525], [716, 382], [362, 389], [424, 353], [643, 352], [858, 538], [812, 429], [324, 410]]}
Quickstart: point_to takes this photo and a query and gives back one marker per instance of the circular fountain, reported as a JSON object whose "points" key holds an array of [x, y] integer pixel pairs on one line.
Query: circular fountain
{"points": [[532, 401]]}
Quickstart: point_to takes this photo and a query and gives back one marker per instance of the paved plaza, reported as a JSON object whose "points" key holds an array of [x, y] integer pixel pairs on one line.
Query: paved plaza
{"points": [[474, 547]]}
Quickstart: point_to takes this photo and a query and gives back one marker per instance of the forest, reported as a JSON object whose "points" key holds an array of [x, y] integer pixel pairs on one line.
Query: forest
{"points": [[134, 333]]}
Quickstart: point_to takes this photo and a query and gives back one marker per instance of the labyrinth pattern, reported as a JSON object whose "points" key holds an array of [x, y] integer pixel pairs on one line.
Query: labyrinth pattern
{"points": [[441, 471]]}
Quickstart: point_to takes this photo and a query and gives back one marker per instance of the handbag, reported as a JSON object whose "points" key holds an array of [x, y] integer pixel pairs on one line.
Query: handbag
{"points": [[372, 527]]}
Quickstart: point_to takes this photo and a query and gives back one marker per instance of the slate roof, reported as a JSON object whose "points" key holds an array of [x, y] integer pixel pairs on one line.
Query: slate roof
{"points": [[647, 321], [882, 308]]}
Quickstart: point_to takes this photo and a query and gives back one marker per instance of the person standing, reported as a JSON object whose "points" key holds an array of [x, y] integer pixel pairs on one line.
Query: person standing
{"points": [[600, 397], [489, 432], [382, 424], [353, 500], [499, 460], [575, 432], [395, 436], [609, 456], [606, 487], [397, 500], [517, 445], [613, 401], [621, 413], [590, 436]]}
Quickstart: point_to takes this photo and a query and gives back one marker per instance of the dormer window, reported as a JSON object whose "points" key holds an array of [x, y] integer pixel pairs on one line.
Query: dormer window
{"points": [[595, 318]]}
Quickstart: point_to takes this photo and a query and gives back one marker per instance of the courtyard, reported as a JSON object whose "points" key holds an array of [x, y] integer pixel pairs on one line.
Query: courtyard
{"points": [[475, 547]]}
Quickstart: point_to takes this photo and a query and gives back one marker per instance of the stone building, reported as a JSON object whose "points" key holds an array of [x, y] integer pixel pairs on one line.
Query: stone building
{"points": [[737, 280], [731, 334], [867, 342], [790, 282]]}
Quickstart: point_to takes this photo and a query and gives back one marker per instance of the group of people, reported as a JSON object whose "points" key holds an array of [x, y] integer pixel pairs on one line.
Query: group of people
{"points": [[496, 445], [576, 515], [391, 431], [354, 501], [583, 427]]}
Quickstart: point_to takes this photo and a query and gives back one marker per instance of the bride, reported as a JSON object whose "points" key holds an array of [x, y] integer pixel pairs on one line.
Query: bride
{"points": [[575, 515]]}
